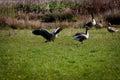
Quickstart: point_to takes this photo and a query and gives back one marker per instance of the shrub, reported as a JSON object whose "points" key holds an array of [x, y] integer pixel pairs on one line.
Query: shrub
{"points": [[29, 8], [113, 19], [59, 5], [48, 18], [51, 17], [74, 19]]}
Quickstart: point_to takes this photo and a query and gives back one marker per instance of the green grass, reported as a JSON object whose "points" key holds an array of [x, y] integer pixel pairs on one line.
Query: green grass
{"points": [[26, 57]]}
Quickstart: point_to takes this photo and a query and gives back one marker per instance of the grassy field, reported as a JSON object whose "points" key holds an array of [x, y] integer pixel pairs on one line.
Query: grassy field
{"points": [[25, 56]]}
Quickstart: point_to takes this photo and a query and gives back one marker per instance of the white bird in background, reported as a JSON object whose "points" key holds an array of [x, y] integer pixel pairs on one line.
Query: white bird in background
{"points": [[82, 36], [111, 29], [49, 36], [91, 23]]}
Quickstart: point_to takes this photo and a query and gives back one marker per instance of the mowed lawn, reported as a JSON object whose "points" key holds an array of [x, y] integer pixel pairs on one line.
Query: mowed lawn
{"points": [[25, 56]]}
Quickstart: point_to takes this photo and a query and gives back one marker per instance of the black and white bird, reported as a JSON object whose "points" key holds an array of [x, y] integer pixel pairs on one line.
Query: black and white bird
{"points": [[111, 29], [82, 36], [49, 36], [99, 24], [91, 23]]}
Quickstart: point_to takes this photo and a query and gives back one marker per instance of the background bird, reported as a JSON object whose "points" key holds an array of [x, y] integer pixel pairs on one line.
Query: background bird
{"points": [[49, 36], [82, 36], [99, 24], [111, 29], [91, 23]]}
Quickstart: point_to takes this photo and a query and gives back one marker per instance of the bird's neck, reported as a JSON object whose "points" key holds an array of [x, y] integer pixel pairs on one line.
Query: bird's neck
{"points": [[86, 32], [92, 15], [93, 20]]}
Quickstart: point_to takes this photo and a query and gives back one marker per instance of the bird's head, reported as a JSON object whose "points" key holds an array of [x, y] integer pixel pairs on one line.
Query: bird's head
{"points": [[100, 21], [109, 24], [87, 28]]}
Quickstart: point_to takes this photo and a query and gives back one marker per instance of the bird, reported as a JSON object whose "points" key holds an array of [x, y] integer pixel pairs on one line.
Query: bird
{"points": [[99, 24], [79, 33], [91, 23], [111, 29], [49, 36], [82, 36]]}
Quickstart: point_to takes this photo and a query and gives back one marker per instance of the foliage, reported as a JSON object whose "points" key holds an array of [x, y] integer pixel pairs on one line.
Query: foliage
{"points": [[48, 18], [60, 5], [41, 7], [113, 19], [58, 17], [7, 11]]}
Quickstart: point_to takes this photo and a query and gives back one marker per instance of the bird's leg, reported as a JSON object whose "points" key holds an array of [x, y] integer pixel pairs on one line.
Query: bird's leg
{"points": [[53, 40], [46, 41], [81, 42]]}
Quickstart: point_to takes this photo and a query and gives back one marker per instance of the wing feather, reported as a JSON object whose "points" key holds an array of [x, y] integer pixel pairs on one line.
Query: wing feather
{"points": [[44, 33], [56, 31]]}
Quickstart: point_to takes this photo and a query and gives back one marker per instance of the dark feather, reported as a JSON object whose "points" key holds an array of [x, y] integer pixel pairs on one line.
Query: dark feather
{"points": [[81, 38], [43, 33], [47, 35], [77, 34], [89, 24]]}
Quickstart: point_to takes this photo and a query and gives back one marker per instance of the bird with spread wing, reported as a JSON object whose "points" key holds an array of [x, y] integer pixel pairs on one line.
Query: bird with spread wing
{"points": [[49, 36]]}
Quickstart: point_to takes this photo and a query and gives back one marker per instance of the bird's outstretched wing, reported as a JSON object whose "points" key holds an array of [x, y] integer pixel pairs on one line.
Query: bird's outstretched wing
{"points": [[56, 31], [44, 33]]}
